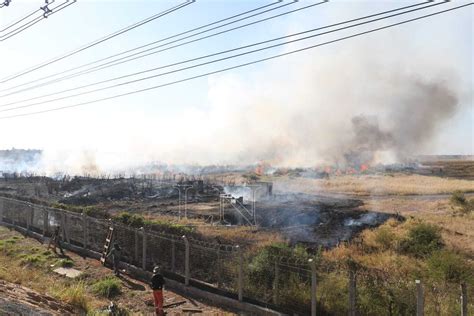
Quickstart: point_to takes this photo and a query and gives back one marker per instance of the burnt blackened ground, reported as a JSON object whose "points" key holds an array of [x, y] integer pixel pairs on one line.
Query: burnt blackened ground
{"points": [[314, 219]]}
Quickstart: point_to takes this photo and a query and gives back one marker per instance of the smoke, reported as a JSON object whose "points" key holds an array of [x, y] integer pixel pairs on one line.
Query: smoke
{"points": [[367, 104], [346, 109], [411, 125]]}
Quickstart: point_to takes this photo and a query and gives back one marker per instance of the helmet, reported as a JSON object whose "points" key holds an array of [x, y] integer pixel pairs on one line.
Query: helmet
{"points": [[156, 269]]}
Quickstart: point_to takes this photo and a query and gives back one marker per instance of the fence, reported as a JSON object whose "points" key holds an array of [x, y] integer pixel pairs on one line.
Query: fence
{"points": [[293, 286]]}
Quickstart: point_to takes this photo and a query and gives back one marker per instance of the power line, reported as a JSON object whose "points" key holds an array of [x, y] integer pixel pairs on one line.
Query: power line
{"points": [[101, 40], [5, 3], [237, 66], [96, 68], [46, 13], [139, 47], [20, 20], [231, 50]]}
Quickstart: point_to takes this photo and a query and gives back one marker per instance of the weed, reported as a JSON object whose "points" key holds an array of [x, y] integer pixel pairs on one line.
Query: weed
{"points": [[65, 263], [107, 287], [74, 294]]}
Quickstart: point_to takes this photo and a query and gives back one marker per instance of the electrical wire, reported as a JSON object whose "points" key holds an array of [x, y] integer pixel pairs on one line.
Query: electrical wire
{"points": [[101, 40], [139, 47], [5, 3], [20, 20], [93, 69], [47, 12], [242, 47], [238, 66], [220, 59]]}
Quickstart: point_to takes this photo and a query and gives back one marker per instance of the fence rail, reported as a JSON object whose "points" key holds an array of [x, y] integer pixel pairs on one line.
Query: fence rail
{"points": [[292, 286]]}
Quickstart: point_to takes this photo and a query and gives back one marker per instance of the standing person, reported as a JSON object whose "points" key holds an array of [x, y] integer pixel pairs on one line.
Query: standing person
{"points": [[156, 284], [55, 241], [115, 254]]}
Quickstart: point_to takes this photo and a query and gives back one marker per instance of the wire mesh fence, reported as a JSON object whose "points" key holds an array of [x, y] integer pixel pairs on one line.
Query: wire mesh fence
{"points": [[291, 284]]}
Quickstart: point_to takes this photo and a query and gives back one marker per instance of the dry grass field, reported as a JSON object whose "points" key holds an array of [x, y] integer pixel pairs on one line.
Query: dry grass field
{"points": [[375, 185]]}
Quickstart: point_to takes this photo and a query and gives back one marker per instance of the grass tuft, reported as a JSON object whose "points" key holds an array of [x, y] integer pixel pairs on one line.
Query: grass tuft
{"points": [[107, 287]]}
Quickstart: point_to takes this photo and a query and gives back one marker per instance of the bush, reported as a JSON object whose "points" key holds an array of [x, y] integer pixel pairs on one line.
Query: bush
{"points": [[138, 221], [458, 198], [133, 220], [422, 240], [384, 237], [107, 287], [448, 266], [65, 263]]}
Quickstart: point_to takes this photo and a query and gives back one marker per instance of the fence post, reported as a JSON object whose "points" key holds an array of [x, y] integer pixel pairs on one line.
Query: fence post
{"points": [[240, 282], [352, 292], [173, 256], [1, 210], [218, 268], [313, 286], [45, 222], [275, 282], [65, 228], [419, 299], [463, 299], [186, 261], [144, 249], [28, 220], [136, 246], [85, 230]]}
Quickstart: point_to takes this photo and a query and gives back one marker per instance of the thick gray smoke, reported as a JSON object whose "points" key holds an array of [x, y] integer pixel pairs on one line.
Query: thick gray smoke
{"points": [[367, 104], [412, 123]]}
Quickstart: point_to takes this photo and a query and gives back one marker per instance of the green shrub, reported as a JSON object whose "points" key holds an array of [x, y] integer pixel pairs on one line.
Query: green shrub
{"points": [[107, 287], [133, 220], [448, 266], [384, 237], [422, 240], [138, 221], [65, 263], [458, 198]]}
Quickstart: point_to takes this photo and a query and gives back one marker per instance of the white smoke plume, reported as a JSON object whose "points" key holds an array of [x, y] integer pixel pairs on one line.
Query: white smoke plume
{"points": [[363, 105]]}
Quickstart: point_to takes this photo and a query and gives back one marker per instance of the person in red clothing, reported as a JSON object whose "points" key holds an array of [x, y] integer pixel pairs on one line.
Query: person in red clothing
{"points": [[156, 284]]}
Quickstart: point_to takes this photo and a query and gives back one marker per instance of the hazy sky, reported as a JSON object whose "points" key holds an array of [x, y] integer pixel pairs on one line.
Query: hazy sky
{"points": [[196, 121]]}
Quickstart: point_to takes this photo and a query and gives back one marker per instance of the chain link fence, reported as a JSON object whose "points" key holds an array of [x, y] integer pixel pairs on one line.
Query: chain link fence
{"points": [[292, 285]]}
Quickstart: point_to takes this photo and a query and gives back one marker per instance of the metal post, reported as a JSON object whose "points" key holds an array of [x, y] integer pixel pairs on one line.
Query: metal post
{"points": [[144, 250], [419, 299], [45, 222], [1, 210], [173, 256], [313, 286], [275, 282], [352, 293], [28, 220], [186, 261], [136, 246], [463, 299], [240, 282], [84, 229], [179, 203], [186, 202], [218, 267]]}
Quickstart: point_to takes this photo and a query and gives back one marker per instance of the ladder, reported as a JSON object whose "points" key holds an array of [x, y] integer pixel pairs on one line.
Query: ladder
{"points": [[108, 240]]}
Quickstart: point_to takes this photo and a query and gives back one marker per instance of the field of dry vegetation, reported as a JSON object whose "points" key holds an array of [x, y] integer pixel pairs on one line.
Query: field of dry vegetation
{"points": [[376, 185]]}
